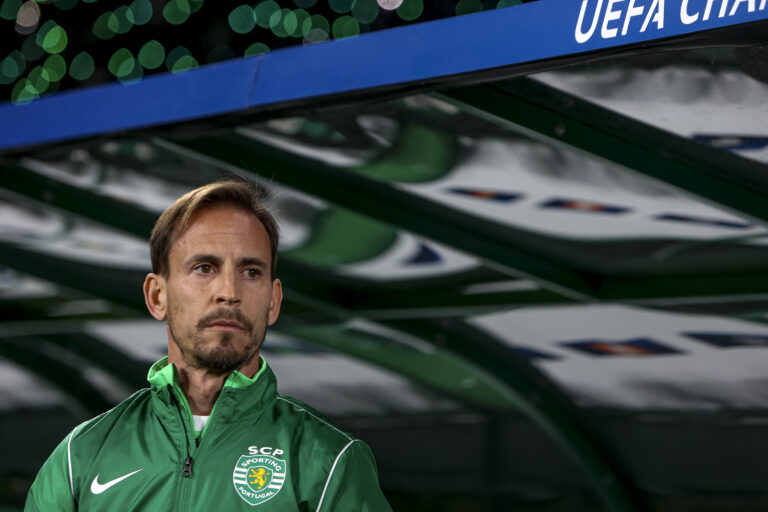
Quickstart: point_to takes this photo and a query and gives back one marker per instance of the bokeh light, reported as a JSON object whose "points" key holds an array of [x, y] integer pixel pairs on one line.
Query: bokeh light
{"points": [[242, 19], [290, 22], [319, 29], [283, 21], [341, 6], [298, 17], [276, 18], [31, 50], [316, 35], [409, 10], [55, 39], [468, 6], [11, 67], [82, 66], [365, 11], [121, 63], [38, 79], [185, 63], [142, 11], [345, 26], [56, 67], [125, 67], [321, 22], [180, 59], [27, 17], [43, 31], [264, 11], [9, 9], [152, 54], [136, 74], [175, 55], [121, 21], [65, 5], [256, 49], [303, 23], [389, 5], [101, 28], [177, 12], [23, 92], [274, 24]]}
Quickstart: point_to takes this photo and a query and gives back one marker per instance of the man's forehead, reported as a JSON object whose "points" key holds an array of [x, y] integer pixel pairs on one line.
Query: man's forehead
{"points": [[221, 218], [242, 227]]}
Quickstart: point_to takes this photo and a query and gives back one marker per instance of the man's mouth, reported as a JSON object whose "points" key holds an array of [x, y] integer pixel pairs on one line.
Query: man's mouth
{"points": [[221, 325], [223, 320]]}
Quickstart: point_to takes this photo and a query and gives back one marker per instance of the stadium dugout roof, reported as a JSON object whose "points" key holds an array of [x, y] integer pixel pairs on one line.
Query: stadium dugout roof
{"points": [[524, 244]]}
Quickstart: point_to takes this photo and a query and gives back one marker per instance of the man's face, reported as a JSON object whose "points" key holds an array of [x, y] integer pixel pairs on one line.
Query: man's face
{"points": [[219, 292]]}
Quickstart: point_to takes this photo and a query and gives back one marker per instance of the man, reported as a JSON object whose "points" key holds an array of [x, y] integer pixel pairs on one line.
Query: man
{"points": [[211, 433]]}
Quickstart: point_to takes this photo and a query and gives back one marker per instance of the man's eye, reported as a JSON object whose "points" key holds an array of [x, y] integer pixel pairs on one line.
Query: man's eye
{"points": [[204, 268], [252, 273]]}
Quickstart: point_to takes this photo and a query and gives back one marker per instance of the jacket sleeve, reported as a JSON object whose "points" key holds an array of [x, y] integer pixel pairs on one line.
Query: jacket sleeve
{"points": [[52, 489], [353, 483]]}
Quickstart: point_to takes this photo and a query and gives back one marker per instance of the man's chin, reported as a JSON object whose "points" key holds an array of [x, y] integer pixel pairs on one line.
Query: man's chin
{"points": [[221, 355], [220, 361], [220, 351]]}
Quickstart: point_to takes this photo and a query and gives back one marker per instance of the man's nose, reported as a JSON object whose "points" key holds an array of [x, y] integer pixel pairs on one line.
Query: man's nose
{"points": [[227, 291]]}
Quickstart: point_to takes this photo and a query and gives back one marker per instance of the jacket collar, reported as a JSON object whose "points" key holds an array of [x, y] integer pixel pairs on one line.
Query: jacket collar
{"points": [[163, 373], [240, 396]]}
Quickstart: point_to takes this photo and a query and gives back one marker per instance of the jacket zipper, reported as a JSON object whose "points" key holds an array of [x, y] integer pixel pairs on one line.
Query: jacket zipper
{"points": [[187, 471], [189, 450]]}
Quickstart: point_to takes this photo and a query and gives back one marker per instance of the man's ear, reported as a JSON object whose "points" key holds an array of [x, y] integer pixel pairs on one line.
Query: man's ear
{"points": [[155, 296], [274, 303]]}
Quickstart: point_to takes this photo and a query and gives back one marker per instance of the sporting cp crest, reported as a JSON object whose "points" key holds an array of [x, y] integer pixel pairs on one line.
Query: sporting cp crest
{"points": [[258, 478]]}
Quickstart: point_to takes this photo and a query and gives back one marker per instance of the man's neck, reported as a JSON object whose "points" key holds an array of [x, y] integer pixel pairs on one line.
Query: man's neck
{"points": [[201, 386]]}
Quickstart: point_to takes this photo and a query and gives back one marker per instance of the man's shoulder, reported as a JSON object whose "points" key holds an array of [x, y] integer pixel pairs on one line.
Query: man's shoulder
{"points": [[312, 421], [105, 421]]}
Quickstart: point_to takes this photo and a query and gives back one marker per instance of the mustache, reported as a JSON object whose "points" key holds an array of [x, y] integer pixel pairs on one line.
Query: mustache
{"points": [[232, 315]]}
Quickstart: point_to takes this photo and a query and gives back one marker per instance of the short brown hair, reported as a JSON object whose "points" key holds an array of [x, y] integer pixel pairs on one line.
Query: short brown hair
{"points": [[239, 193]]}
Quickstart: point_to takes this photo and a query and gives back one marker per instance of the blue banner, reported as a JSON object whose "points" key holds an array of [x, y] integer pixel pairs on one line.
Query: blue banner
{"points": [[425, 51]]}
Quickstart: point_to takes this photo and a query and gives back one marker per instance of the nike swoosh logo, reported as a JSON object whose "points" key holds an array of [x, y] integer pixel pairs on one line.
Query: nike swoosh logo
{"points": [[97, 488]]}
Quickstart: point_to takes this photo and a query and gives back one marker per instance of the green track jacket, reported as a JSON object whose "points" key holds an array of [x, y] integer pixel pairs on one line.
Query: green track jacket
{"points": [[259, 451]]}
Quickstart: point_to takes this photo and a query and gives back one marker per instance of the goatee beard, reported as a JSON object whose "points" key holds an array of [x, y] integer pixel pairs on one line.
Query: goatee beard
{"points": [[223, 358]]}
